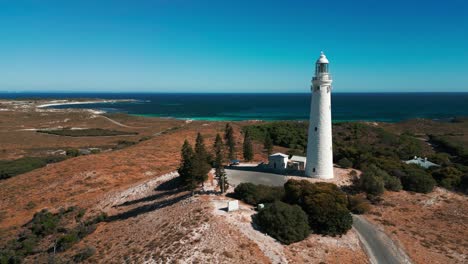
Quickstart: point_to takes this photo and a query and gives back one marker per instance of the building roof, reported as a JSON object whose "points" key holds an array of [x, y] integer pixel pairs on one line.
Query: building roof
{"points": [[279, 154], [423, 162], [322, 59], [298, 158]]}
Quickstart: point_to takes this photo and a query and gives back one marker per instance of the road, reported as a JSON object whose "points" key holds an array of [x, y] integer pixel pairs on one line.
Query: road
{"points": [[236, 176], [379, 247]]}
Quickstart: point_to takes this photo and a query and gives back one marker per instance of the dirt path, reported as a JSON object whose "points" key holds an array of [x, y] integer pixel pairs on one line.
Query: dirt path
{"points": [[118, 123]]}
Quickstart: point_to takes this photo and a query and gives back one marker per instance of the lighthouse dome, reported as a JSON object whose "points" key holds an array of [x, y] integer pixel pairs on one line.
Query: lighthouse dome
{"points": [[322, 58]]}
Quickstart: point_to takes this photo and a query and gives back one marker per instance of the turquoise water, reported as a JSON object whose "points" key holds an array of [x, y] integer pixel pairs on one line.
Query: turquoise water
{"points": [[386, 107]]}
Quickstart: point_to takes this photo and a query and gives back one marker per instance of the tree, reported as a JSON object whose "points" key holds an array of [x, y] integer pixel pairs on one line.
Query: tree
{"points": [[247, 147], [218, 164], [324, 203], [201, 165], [268, 144], [230, 141], [287, 223], [186, 166]]}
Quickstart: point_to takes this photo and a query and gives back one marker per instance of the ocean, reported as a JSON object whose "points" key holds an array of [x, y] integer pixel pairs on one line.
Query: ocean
{"points": [[385, 107]]}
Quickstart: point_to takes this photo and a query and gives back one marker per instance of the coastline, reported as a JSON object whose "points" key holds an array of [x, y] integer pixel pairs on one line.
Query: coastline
{"points": [[98, 101]]}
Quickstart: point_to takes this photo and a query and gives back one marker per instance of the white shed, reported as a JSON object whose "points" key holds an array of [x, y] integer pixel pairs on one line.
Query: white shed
{"points": [[298, 162], [278, 161]]}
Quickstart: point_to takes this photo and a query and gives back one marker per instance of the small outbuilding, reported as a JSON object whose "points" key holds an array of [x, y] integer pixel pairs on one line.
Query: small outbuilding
{"points": [[278, 161], [297, 162], [422, 162]]}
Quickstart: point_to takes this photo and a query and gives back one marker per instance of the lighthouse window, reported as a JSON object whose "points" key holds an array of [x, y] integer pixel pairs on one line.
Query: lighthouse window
{"points": [[313, 170], [315, 128]]}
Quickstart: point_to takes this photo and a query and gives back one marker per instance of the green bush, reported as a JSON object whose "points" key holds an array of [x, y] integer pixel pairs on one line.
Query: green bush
{"points": [[72, 152], [10, 168], [357, 204], [287, 223], [44, 223], [255, 194], [448, 177], [324, 203], [392, 183], [84, 254], [371, 183], [66, 241], [417, 180], [345, 163]]}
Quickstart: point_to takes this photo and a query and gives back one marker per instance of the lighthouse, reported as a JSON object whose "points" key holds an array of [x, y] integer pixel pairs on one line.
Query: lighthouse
{"points": [[319, 147]]}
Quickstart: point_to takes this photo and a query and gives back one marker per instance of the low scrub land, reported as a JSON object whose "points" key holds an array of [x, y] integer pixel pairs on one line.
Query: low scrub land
{"points": [[10, 168], [89, 132]]}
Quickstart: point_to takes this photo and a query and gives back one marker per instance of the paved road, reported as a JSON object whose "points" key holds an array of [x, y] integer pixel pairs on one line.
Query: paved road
{"points": [[380, 248], [236, 176]]}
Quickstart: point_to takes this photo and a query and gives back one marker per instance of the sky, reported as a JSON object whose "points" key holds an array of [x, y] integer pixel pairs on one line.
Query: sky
{"points": [[232, 46]]}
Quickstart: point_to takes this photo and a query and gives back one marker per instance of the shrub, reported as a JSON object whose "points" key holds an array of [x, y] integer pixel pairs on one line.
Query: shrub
{"points": [[287, 223], [358, 204], [324, 203], [448, 177], [84, 254], [371, 183], [417, 180], [392, 183], [44, 223], [255, 194], [72, 152], [345, 163], [66, 241]]}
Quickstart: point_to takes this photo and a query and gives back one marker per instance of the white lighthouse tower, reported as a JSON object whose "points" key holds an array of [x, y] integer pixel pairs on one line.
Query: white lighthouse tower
{"points": [[319, 147]]}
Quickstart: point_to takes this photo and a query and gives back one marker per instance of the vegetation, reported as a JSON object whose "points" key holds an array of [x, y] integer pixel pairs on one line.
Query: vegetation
{"points": [[247, 147], [345, 163], [291, 135], [84, 254], [195, 165], [287, 223], [268, 144], [417, 180], [452, 146], [324, 203], [10, 168], [375, 180], [357, 204], [448, 177], [256, 194], [64, 227], [218, 164], [230, 141], [89, 132]]}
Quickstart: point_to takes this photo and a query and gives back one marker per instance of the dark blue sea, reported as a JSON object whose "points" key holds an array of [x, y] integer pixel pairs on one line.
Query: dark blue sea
{"points": [[387, 107]]}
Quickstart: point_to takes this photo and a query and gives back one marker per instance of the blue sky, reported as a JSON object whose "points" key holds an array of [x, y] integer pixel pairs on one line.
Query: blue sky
{"points": [[232, 46]]}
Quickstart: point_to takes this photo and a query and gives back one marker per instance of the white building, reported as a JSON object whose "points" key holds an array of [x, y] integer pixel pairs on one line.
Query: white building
{"points": [[319, 146], [278, 161], [298, 162], [423, 162]]}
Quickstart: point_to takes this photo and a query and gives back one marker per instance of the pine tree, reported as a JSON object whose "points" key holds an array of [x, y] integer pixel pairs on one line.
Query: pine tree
{"points": [[230, 141], [247, 147], [219, 168], [268, 144], [201, 167], [186, 167]]}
